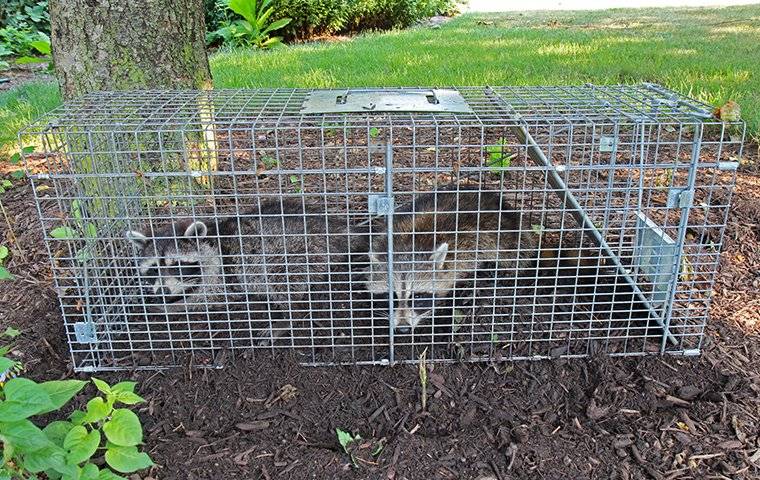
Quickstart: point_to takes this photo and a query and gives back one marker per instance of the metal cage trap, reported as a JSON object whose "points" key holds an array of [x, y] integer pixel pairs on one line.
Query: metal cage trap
{"points": [[364, 226]]}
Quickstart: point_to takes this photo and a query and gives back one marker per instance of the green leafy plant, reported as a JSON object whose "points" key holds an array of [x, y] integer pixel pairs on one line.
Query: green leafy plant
{"points": [[498, 156], [346, 439], [4, 273], [254, 28], [68, 449], [5, 184], [42, 47], [81, 230], [296, 182]]}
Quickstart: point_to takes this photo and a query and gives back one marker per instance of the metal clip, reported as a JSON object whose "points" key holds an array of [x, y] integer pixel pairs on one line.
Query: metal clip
{"points": [[380, 205], [84, 332], [607, 144]]}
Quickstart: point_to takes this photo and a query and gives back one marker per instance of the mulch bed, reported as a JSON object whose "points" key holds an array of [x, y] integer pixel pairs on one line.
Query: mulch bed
{"points": [[269, 418]]}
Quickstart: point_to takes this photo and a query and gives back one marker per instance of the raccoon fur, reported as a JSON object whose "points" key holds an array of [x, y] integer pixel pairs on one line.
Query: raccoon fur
{"points": [[442, 241], [281, 257]]}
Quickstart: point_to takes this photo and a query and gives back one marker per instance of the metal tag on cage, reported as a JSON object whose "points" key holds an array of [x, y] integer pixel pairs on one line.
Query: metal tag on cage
{"points": [[84, 332], [655, 255], [380, 205], [367, 101]]}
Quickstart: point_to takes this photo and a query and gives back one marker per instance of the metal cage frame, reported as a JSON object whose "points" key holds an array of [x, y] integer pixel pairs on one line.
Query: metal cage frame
{"points": [[620, 194]]}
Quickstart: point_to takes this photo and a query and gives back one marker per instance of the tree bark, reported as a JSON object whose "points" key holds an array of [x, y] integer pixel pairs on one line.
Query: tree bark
{"points": [[128, 44]]}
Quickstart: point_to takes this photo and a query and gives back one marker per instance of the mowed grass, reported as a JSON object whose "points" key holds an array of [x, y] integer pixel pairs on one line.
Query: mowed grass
{"points": [[711, 54]]}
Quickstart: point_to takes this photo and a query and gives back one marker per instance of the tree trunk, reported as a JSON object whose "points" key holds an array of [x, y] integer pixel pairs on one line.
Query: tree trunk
{"points": [[128, 44]]}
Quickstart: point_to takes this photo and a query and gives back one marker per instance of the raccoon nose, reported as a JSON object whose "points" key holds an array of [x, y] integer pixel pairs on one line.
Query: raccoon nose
{"points": [[403, 329]]}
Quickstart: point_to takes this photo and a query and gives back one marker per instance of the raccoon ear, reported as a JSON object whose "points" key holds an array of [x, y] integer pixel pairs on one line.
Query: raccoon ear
{"points": [[439, 255], [196, 229], [136, 238]]}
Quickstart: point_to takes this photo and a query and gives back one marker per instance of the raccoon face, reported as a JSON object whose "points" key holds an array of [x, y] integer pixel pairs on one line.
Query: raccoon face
{"points": [[419, 279], [177, 266]]}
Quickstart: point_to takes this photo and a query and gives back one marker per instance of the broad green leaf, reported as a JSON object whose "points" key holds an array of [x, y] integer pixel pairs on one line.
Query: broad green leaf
{"points": [[102, 386], [23, 398], [107, 474], [123, 428], [90, 231], [15, 158], [5, 365], [344, 438], [24, 435], [276, 25], [4, 254], [6, 183], [271, 42], [129, 398], [56, 431], [11, 332], [27, 60], [41, 46], [124, 387], [5, 274], [244, 8], [97, 410], [51, 457], [61, 391], [76, 210], [90, 472], [127, 459], [28, 149], [63, 233], [77, 417], [17, 174], [80, 444]]}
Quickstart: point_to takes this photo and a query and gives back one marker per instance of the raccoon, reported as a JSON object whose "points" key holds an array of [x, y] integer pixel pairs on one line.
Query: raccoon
{"points": [[284, 255], [441, 241]]}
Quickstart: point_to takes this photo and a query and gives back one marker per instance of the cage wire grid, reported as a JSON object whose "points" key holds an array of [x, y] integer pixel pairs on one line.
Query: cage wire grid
{"points": [[522, 223]]}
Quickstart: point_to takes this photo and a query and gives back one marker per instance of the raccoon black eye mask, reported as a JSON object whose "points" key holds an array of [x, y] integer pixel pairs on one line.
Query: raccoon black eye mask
{"points": [[170, 267]]}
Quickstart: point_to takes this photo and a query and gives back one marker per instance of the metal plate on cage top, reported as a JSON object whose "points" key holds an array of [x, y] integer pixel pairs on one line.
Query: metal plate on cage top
{"points": [[366, 101]]}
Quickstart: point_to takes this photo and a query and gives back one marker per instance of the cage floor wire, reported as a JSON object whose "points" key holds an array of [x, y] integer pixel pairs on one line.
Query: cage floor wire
{"points": [[366, 226]]}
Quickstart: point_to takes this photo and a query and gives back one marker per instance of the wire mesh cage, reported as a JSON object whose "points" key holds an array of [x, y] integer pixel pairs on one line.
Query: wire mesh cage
{"points": [[371, 225]]}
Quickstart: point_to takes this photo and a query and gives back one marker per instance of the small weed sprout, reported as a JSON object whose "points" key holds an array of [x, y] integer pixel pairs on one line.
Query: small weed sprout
{"points": [[498, 156], [374, 132], [296, 182], [345, 439], [83, 230], [4, 273]]}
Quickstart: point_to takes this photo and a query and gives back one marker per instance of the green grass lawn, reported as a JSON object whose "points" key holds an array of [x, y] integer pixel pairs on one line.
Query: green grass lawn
{"points": [[711, 54]]}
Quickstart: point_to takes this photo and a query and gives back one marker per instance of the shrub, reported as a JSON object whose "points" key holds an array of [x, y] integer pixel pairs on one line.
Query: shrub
{"points": [[253, 29], [25, 15], [66, 449], [311, 18]]}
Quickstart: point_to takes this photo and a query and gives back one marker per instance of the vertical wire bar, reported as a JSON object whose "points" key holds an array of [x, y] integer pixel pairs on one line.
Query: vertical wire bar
{"points": [[389, 219], [696, 147]]}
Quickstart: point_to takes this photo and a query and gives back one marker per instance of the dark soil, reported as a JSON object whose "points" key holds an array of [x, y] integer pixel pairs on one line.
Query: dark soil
{"points": [[605, 418]]}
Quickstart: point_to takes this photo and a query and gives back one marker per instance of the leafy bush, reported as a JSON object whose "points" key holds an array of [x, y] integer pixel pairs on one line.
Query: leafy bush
{"points": [[66, 449], [24, 23], [253, 29], [26, 15], [325, 17]]}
